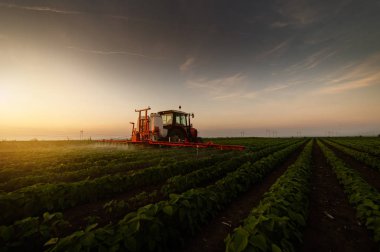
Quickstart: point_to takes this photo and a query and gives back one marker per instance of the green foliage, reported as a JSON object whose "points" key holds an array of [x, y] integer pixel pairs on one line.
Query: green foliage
{"points": [[118, 208], [28, 234], [57, 197], [364, 157], [163, 226], [361, 195], [276, 223], [181, 183]]}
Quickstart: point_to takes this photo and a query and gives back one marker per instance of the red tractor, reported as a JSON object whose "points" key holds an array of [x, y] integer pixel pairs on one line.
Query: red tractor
{"points": [[168, 125], [168, 128]]}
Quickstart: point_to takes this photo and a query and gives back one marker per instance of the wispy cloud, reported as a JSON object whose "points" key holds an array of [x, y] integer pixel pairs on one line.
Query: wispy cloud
{"points": [[39, 8], [187, 65], [277, 49], [104, 52], [312, 61], [297, 13], [350, 84], [279, 24], [221, 88], [275, 88], [366, 74], [237, 86]]}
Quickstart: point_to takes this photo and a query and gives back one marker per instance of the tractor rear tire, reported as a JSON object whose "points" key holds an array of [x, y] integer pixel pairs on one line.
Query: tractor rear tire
{"points": [[176, 135]]}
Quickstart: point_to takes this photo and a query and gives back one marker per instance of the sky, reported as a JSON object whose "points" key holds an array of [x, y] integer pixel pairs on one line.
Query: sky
{"points": [[258, 68]]}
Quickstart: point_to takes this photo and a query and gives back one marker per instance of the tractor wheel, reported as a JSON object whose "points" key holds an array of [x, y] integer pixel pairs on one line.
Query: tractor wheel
{"points": [[176, 135]]}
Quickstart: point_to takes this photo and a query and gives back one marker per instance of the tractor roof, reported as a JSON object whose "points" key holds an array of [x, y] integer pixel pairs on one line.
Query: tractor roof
{"points": [[172, 111]]}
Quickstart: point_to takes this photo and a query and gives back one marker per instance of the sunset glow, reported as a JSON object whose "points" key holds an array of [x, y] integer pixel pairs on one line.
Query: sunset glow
{"points": [[251, 67]]}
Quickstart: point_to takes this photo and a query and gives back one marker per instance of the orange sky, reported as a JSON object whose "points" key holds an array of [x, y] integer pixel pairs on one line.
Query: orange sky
{"points": [[68, 68]]}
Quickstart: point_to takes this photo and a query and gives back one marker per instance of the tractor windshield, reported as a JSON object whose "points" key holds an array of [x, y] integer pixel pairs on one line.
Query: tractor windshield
{"points": [[180, 119], [167, 119]]}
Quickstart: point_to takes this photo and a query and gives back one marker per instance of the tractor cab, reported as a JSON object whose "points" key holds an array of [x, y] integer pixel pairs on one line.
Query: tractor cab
{"points": [[178, 125], [174, 117]]}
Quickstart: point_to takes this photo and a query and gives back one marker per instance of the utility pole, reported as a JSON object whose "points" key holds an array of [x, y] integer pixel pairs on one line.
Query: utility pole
{"points": [[81, 135]]}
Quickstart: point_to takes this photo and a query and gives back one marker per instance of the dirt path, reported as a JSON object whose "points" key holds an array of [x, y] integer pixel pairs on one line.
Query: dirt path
{"points": [[211, 237], [332, 224], [370, 175]]}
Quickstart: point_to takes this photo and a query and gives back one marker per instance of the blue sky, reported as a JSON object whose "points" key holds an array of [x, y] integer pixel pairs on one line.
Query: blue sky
{"points": [[253, 66]]}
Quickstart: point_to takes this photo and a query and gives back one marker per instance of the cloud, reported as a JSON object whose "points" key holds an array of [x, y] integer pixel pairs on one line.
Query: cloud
{"points": [[103, 52], [280, 47], [366, 74], [275, 88], [233, 87], [39, 8], [297, 13], [279, 24], [349, 86], [187, 65], [220, 88], [312, 61]]}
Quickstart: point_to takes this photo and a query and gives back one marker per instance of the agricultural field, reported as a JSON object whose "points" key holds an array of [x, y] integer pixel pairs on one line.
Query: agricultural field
{"points": [[279, 194]]}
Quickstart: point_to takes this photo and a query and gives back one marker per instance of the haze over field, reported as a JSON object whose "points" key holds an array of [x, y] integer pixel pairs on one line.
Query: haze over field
{"points": [[258, 67]]}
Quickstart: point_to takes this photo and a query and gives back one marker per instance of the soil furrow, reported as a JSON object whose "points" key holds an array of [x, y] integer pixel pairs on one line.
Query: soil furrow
{"points": [[332, 224], [211, 237], [370, 175]]}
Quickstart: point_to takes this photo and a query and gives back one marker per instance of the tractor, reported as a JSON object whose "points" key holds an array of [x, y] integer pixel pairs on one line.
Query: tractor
{"points": [[168, 126]]}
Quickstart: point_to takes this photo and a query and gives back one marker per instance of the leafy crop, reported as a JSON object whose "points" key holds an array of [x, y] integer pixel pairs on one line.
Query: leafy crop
{"points": [[163, 226], [181, 183], [361, 195], [30, 233], [358, 155], [276, 223], [56, 197]]}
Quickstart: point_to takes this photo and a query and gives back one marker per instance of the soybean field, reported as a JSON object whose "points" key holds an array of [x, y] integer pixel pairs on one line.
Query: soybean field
{"points": [[279, 194]]}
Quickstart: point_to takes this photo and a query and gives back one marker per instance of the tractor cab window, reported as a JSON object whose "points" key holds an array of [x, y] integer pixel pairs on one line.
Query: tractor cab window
{"points": [[181, 120], [167, 119]]}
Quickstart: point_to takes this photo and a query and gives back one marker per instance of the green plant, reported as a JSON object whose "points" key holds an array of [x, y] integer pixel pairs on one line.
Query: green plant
{"points": [[276, 223], [361, 195]]}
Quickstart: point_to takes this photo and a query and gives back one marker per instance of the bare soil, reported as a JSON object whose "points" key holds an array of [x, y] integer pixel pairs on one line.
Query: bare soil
{"points": [[332, 224], [211, 237]]}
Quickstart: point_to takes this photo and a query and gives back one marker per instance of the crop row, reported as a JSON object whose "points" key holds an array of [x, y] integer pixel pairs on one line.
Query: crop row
{"points": [[372, 142], [45, 169], [276, 223], [358, 155], [115, 208], [361, 195], [163, 226], [39, 198], [28, 229], [92, 171], [359, 146], [181, 183], [27, 234], [254, 143]]}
